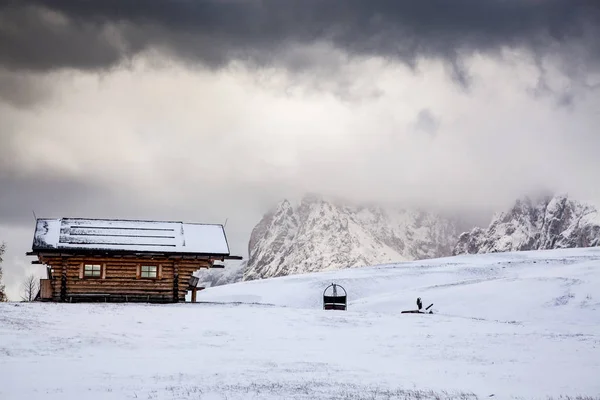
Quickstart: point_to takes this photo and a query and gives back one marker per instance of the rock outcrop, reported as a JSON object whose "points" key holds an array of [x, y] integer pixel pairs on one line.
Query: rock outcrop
{"points": [[550, 223]]}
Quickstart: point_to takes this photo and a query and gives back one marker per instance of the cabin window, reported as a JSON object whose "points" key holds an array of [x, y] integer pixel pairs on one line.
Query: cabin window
{"points": [[149, 271], [92, 270]]}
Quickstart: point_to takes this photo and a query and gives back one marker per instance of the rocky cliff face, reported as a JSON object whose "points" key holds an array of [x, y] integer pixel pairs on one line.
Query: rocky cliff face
{"points": [[318, 235], [550, 223], [233, 272]]}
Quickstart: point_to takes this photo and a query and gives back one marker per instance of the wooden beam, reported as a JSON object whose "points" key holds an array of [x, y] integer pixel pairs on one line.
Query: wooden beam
{"points": [[112, 260], [124, 253]]}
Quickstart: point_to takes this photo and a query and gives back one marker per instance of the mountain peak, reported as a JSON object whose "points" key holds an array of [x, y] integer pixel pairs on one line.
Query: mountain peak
{"points": [[324, 234], [549, 222]]}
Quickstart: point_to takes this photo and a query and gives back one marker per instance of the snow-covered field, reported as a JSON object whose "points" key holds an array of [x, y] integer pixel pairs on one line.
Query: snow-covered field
{"points": [[519, 325]]}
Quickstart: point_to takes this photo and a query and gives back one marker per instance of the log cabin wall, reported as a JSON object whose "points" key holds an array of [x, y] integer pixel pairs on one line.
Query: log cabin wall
{"points": [[121, 279]]}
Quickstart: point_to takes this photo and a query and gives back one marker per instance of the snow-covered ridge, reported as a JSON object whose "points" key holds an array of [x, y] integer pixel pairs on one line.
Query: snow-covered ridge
{"points": [[484, 279], [550, 223], [318, 235]]}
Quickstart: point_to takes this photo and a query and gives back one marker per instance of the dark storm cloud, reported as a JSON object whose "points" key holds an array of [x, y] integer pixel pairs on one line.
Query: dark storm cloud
{"points": [[33, 39], [102, 33]]}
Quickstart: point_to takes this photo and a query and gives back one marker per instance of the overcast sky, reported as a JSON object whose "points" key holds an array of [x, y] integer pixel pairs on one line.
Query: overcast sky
{"points": [[204, 111]]}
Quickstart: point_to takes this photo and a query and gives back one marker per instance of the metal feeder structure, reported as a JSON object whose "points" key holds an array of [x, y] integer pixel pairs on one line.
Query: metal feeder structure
{"points": [[335, 300]]}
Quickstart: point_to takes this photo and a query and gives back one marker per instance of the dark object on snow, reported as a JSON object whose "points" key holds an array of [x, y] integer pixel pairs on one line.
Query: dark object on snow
{"points": [[420, 306], [334, 301], [193, 282]]}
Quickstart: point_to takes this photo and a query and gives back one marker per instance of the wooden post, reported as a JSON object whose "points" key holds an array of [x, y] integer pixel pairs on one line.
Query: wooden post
{"points": [[175, 283], [194, 290], [63, 281]]}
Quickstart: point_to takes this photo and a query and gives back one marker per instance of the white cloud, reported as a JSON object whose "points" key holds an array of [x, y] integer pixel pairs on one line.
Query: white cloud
{"points": [[166, 141]]}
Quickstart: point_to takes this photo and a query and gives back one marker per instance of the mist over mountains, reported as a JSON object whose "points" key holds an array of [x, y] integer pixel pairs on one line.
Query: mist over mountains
{"points": [[319, 233]]}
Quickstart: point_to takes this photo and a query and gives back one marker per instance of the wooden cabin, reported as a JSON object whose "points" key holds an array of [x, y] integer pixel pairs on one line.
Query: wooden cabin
{"points": [[124, 260]]}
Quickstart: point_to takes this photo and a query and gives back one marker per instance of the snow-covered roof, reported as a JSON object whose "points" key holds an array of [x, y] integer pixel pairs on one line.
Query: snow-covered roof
{"points": [[129, 236]]}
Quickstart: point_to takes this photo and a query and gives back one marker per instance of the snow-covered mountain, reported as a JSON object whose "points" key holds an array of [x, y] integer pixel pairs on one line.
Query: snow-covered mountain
{"points": [[319, 234], [549, 223], [233, 272]]}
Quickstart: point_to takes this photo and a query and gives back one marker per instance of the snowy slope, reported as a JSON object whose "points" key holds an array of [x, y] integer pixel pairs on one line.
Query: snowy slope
{"points": [[551, 222], [514, 325], [320, 234], [481, 284]]}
